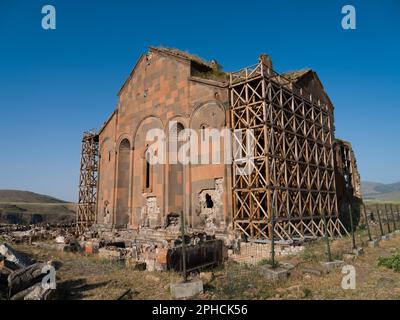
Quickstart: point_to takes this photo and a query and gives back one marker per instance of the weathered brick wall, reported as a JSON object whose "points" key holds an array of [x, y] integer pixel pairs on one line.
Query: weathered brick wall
{"points": [[106, 180], [159, 90], [252, 253]]}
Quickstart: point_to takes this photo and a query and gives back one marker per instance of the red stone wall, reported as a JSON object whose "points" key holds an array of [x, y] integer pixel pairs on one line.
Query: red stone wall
{"points": [[160, 89]]}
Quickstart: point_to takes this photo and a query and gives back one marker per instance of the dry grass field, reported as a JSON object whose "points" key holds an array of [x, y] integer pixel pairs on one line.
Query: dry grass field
{"points": [[88, 277]]}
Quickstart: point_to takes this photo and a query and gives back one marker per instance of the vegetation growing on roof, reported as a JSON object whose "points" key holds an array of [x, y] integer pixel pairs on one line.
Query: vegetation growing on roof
{"points": [[213, 73], [294, 75], [183, 54], [199, 67]]}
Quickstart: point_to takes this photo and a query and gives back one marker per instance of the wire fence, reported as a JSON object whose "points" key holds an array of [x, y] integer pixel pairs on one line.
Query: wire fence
{"points": [[375, 221]]}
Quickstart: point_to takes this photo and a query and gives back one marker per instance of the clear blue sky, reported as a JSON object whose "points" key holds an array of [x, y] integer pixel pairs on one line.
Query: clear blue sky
{"points": [[56, 84]]}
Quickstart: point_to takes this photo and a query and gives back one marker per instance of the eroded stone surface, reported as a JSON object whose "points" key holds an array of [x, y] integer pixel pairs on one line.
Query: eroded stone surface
{"points": [[330, 265], [186, 289], [210, 206], [273, 274], [373, 243]]}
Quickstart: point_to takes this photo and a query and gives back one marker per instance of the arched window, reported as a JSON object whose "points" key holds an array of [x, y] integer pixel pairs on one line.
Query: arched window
{"points": [[123, 183], [147, 185]]}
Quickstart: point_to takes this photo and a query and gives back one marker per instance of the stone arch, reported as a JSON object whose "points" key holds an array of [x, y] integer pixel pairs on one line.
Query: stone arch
{"points": [[177, 118], [210, 113], [124, 136], [123, 183], [176, 181], [147, 196], [209, 178], [142, 123]]}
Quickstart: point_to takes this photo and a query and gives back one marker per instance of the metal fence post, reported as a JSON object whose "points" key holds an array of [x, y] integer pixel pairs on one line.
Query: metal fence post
{"points": [[380, 221], [366, 222], [387, 219], [328, 247], [183, 248], [273, 238], [353, 239], [394, 219]]}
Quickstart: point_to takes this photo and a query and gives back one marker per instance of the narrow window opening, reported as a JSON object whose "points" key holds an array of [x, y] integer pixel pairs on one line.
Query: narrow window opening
{"points": [[147, 174], [203, 131]]}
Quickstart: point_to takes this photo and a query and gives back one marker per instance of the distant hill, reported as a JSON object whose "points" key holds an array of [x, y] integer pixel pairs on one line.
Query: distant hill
{"points": [[380, 191], [26, 197], [24, 207]]}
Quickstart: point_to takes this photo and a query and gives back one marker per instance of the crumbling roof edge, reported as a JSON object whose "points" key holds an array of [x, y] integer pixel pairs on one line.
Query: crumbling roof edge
{"points": [[296, 73], [164, 51], [179, 54], [301, 73], [323, 89], [348, 143], [107, 122]]}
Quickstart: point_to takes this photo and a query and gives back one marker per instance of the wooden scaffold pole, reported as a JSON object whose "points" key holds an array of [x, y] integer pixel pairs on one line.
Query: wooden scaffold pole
{"points": [[87, 198]]}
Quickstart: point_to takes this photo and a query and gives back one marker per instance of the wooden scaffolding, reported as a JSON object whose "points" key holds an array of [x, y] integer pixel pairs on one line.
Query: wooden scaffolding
{"points": [[286, 144], [86, 211]]}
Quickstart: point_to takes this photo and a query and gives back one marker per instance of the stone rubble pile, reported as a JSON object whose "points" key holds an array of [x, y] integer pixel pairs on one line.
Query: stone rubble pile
{"points": [[22, 279], [28, 234], [143, 251]]}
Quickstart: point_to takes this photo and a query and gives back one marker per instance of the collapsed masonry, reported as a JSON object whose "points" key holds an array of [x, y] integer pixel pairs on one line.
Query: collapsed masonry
{"points": [[300, 171]]}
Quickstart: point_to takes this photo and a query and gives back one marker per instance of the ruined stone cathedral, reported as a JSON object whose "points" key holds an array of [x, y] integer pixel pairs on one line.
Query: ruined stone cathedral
{"points": [[300, 168]]}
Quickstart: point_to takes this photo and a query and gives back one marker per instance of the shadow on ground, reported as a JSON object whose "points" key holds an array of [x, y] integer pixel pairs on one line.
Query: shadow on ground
{"points": [[76, 289]]}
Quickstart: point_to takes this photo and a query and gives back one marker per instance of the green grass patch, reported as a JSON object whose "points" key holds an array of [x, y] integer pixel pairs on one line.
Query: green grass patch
{"points": [[307, 293], [392, 262]]}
